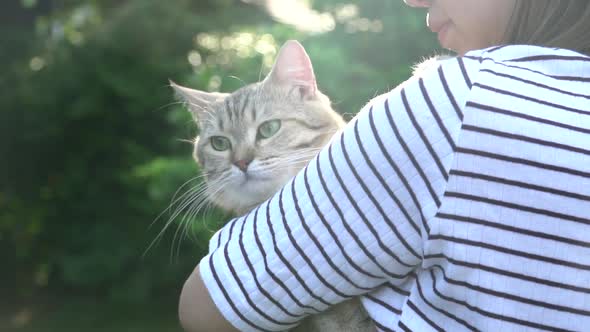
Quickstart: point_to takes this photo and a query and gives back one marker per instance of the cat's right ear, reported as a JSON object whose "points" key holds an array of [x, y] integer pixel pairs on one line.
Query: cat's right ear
{"points": [[198, 101], [293, 68]]}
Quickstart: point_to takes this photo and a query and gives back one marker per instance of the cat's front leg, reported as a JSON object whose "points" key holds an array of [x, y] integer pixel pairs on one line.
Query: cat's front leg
{"points": [[349, 316]]}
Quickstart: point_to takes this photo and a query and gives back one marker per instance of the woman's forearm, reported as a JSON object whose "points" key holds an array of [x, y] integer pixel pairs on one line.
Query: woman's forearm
{"points": [[197, 311]]}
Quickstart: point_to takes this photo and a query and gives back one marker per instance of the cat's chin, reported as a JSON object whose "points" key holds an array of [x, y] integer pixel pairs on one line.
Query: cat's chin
{"points": [[246, 193], [254, 179]]}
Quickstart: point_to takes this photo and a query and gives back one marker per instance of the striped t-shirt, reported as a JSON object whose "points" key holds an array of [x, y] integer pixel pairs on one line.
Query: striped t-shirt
{"points": [[459, 201]]}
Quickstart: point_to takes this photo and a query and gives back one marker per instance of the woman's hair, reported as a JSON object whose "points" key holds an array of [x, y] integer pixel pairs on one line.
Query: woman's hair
{"points": [[552, 23]]}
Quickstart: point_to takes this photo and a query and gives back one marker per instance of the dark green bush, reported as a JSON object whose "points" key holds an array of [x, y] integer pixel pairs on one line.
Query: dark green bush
{"points": [[91, 144]]}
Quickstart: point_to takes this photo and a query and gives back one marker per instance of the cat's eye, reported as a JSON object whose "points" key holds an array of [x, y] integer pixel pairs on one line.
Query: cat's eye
{"points": [[220, 143], [269, 128]]}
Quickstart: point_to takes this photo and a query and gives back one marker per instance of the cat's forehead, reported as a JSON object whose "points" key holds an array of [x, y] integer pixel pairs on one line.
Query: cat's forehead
{"points": [[260, 95], [248, 106]]}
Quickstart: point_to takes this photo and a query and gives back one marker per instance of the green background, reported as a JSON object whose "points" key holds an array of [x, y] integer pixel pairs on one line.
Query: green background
{"points": [[93, 145]]}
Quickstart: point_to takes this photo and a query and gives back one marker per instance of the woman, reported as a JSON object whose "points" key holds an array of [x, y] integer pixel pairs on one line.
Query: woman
{"points": [[458, 201]]}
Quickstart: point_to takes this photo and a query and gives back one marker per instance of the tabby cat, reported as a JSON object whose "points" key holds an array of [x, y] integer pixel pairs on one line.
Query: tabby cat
{"points": [[254, 140]]}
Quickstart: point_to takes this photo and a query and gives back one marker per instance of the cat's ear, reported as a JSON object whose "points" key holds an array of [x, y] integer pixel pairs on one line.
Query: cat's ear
{"points": [[198, 101], [293, 68]]}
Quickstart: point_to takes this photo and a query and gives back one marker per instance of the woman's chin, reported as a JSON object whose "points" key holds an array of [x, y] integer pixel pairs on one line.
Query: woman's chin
{"points": [[450, 40]]}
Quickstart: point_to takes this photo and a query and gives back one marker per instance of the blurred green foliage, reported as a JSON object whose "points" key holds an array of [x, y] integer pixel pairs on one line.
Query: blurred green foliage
{"points": [[91, 146]]}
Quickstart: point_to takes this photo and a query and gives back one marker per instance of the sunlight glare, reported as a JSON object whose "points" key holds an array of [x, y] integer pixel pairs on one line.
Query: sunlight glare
{"points": [[299, 14]]}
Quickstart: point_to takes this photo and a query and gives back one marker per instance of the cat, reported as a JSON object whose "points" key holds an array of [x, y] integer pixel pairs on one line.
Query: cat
{"points": [[254, 140]]}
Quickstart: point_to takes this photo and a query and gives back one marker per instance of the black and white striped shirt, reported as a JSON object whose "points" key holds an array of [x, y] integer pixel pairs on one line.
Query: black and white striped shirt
{"points": [[459, 201]]}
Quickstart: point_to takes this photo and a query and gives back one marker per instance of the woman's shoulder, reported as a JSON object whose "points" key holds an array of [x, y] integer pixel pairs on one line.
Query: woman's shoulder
{"points": [[522, 53], [500, 68], [552, 63], [544, 60]]}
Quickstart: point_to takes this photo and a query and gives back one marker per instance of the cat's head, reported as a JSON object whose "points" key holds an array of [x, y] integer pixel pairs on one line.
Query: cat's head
{"points": [[252, 141]]}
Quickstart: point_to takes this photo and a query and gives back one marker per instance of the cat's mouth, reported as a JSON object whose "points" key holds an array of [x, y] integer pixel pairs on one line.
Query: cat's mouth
{"points": [[249, 177]]}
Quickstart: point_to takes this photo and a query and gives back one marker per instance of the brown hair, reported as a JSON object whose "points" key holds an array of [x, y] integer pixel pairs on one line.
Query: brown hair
{"points": [[552, 23]]}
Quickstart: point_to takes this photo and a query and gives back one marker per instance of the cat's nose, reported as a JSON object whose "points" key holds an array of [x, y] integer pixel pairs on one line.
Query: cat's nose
{"points": [[243, 164]]}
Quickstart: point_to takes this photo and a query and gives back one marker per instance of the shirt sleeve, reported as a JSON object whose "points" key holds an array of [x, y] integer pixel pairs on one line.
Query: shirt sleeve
{"points": [[354, 218]]}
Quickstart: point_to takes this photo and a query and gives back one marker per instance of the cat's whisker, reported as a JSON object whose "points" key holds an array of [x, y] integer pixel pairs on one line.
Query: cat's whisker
{"points": [[189, 202], [311, 152], [297, 162], [191, 191], [194, 210], [201, 108], [204, 192], [215, 196], [303, 151], [201, 190], [196, 205], [186, 224], [184, 140], [169, 104], [291, 159], [173, 200], [187, 196], [308, 156], [183, 196], [238, 79]]}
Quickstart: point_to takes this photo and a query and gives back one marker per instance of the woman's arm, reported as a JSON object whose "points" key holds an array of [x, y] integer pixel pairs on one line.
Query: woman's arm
{"points": [[197, 311], [353, 219]]}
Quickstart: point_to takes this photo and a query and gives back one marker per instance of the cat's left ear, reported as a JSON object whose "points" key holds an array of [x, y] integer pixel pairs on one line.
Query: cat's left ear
{"points": [[198, 101], [293, 68]]}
